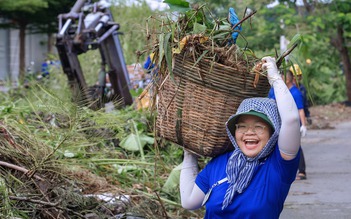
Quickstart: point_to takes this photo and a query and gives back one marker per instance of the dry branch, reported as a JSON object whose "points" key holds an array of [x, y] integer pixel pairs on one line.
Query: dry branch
{"points": [[26, 199], [21, 169]]}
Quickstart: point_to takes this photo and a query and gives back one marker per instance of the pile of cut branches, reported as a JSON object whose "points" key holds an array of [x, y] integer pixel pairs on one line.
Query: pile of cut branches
{"points": [[39, 185], [54, 157]]}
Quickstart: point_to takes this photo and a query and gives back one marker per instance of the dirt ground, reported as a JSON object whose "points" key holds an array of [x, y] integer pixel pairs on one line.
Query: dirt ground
{"points": [[327, 116]]}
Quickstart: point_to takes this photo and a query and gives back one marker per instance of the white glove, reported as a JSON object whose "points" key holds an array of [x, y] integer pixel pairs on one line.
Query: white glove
{"points": [[303, 131], [272, 69]]}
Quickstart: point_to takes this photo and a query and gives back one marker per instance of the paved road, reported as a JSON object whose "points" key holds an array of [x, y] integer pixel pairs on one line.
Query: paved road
{"points": [[327, 191]]}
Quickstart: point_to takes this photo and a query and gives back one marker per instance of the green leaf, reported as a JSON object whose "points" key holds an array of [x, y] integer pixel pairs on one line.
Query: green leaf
{"points": [[136, 93], [123, 169], [221, 35], [296, 38], [199, 28], [199, 59], [168, 53], [130, 143], [178, 5], [161, 39], [172, 181], [6, 109]]}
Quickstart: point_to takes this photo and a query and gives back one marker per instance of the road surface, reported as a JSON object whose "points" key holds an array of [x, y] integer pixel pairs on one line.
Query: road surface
{"points": [[327, 191]]}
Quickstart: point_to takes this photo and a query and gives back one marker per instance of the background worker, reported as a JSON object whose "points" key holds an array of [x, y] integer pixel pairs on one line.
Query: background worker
{"points": [[149, 63], [297, 95], [299, 83]]}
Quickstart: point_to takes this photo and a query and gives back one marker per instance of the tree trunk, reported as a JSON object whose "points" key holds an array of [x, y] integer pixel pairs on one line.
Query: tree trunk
{"points": [[49, 46], [340, 44], [308, 6], [22, 55]]}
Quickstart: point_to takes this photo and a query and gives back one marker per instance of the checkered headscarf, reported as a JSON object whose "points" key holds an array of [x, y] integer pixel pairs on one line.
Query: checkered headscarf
{"points": [[240, 168]]}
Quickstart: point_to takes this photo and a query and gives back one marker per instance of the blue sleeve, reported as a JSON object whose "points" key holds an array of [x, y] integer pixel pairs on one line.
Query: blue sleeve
{"points": [[303, 91], [287, 168], [297, 97], [299, 102], [271, 94], [202, 179], [304, 95]]}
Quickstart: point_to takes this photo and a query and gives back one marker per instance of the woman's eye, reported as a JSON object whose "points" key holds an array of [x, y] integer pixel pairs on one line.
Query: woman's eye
{"points": [[259, 127]]}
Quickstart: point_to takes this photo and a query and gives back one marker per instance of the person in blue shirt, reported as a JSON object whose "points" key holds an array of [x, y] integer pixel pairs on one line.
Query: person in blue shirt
{"points": [[252, 181], [149, 63], [45, 68], [299, 100], [298, 83]]}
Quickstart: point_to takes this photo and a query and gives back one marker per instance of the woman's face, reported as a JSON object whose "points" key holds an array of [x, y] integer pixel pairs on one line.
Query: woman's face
{"points": [[252, 134]]}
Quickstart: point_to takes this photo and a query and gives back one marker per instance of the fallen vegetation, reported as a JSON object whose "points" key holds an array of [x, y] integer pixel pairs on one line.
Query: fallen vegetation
{"points": [[59, 160]]}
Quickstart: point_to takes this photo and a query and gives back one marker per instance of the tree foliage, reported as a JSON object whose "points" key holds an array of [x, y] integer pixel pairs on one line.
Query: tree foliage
{"points": [[45, 20], [325, 27], [19, 14], [37, 14], [133, 20], [329, 75], [25, 7]]}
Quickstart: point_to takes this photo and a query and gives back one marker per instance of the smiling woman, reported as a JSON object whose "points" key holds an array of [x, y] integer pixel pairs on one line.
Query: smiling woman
{"points": [[252, 181]]}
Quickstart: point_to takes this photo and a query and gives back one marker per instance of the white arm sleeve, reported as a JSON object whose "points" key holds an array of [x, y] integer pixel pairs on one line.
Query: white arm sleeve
{"points": [[190, 194], [289, 136]]}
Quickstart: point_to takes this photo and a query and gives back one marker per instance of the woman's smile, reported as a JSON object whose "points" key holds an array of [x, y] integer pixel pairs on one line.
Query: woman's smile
{"points": [[250, 134]]}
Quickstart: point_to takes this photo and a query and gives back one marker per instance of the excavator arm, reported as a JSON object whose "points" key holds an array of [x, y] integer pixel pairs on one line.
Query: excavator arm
{"points": [[90, 26]]}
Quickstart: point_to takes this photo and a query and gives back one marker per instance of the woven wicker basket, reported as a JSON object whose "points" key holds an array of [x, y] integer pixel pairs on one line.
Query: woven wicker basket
{"points": [[193, 108]]}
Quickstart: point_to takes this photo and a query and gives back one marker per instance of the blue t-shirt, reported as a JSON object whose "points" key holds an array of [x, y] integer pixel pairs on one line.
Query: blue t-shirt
{"points": [[295, 92], [303, 91], [148, 64], [263, 198]]}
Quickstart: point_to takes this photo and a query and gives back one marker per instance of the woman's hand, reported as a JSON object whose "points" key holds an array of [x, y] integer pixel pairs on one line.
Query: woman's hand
{"points": [[303, 131], [270, 65]]}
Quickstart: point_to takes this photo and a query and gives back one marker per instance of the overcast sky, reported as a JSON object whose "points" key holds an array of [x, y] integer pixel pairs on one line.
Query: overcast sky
{"points": [[154, 4], [157, 4]]}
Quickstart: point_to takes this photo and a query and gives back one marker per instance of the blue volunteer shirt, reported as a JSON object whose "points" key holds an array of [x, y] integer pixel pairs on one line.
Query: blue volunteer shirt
{"points": [[263, 198]]}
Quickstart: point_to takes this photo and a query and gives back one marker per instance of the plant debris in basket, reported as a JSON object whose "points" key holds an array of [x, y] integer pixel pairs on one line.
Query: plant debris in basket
{"points": [[197, 33], [202, 76]]}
